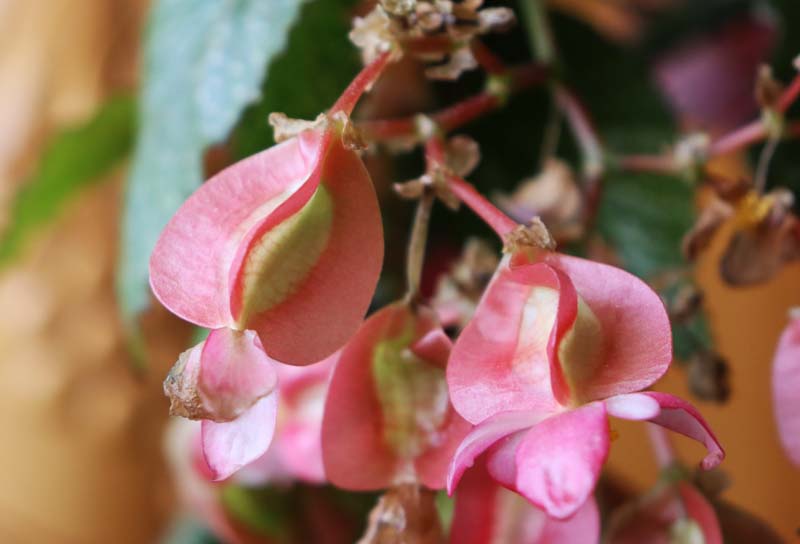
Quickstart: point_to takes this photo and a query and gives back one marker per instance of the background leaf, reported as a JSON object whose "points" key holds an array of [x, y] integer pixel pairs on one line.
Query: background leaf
{"points": [[75, 159], [204, 62]]}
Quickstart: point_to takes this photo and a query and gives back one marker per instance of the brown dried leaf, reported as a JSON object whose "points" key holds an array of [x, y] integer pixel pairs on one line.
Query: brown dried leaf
{"points": [[709, 376], [554, 196], [767, 237], [535, 235], [458, 293], [405, 514], [704, 228]]}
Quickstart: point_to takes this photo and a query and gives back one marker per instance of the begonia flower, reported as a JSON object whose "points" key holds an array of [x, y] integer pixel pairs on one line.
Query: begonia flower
{"points": [[785, 388], [388, 419], [671, 512], [557, 345], [487, 513], [229, 383], [279, 255], [287, 243]]}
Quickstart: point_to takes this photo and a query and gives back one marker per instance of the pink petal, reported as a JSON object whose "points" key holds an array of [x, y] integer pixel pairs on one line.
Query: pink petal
{"points": [[229, 446], [358, 451], [559, 460], [681, 417], [583, 527], [786, 389], [190, 264], [434, 347], [493, 368], [635, 406], [636, 330], [485, 513], [483, 437], [353, 451], [328, 305], [234, 372], [299, 445], [433, 465]]}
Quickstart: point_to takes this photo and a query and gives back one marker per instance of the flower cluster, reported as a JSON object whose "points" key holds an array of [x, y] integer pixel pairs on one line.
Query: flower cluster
{"points": [[280, 254]]}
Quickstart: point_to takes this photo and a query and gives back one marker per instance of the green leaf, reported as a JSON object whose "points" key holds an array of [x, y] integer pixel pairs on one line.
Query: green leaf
{"points": [[204, 62], [644, 219], [307, 78], [75, 159]]}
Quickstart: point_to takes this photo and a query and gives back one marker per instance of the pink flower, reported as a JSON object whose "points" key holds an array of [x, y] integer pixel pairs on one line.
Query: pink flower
{"points": [[388, 418], [297, 451], [230, 384], [558, 344], [486, 513], [279, 255], [671, 512], [786, 389]]}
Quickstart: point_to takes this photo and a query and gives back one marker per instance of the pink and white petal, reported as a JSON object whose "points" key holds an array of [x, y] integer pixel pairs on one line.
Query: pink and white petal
{"points": [[636, 330], [559, 460], [234, 373], [582, 528], [678, 415], [229, 446], [482, 375], [483, 437], [501, 460], [329, 304], [786, 390], [354, 452], [634, 406], [432, 466], [566, 312], [299, 446], [190, 264]]}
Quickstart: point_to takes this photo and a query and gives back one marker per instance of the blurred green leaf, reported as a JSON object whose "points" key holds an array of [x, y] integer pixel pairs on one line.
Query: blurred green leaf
{"points": [[644, 219], [187, 530], [266, 510], [75, 159], [307, 78], [203, 63]]}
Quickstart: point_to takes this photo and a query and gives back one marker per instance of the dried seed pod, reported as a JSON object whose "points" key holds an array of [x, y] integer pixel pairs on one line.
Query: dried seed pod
{"points": [[709, 376]]}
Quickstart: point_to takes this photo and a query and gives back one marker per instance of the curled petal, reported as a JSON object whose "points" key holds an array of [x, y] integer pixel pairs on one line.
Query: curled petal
{"points": [[635, 406], [190, 264], [559, 460], [229, 446], [270, 241], [494, 367], [678, 415], [483, 437], [786, 389], [320, 302], [637, 339]]}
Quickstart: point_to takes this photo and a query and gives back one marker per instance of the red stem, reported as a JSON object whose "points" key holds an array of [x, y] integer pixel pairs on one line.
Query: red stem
{"points": [[365, 78], [741, 137], [497, 220], [459, 114], [789, 95], [487, 59]]}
